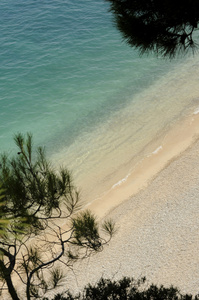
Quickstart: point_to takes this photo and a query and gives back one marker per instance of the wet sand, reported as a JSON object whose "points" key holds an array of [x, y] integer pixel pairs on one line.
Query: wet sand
{"points": [[158, 227], [156, 214], [181, 137]]}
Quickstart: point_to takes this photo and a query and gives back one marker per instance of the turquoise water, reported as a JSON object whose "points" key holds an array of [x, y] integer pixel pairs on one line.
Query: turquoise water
{"points": [[67, 77]]}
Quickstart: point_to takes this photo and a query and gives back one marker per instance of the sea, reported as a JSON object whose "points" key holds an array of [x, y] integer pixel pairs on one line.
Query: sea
{"points": [[97, 106]]}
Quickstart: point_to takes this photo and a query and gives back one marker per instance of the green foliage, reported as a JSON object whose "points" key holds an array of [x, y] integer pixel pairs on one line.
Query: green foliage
{"points": [[3, 222], [165, 27], [126, 289], [35, 202], [17, 224], [105, 289], [33, 189], [86, 231]]}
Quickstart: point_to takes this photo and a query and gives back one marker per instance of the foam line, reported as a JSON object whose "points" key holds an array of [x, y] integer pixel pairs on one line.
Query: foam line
{"points": [[157, 150]]}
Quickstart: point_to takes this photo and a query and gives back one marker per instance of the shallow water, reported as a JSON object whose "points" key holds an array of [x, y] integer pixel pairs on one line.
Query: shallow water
{"points": [[97, 107]]}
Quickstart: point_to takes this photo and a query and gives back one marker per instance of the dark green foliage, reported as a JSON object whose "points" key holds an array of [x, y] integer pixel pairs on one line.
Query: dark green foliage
{"points": [[165, 27], [126, 289], [33, 189], [35, 202], [107, 289], [3, 222], [86, 230]]}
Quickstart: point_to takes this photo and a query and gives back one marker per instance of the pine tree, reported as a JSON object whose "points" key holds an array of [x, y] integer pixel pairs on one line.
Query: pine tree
{"points": [[37, 201], [164, 27]]}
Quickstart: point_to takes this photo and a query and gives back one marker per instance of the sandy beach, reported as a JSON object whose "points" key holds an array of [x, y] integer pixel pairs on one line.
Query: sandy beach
{"points": [[158, 227], [125, 126], [156, 214]]}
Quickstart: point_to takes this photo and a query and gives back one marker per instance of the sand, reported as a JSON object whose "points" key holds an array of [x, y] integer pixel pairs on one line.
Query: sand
{"points": [[156, 214], [180, 137], [158, 227]]}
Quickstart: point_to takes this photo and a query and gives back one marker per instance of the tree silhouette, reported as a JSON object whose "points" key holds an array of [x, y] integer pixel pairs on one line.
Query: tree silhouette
{"points": [[126, 289], [164, 27], [44, 228]]}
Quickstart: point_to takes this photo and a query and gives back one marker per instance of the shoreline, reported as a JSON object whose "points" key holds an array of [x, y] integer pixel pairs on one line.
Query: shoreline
{"points": [[157, 227], [177, 140]]}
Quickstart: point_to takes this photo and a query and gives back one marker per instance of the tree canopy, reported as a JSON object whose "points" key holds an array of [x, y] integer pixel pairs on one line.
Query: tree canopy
{"points": [[164, 27], [40, 225], [126, 289]]}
